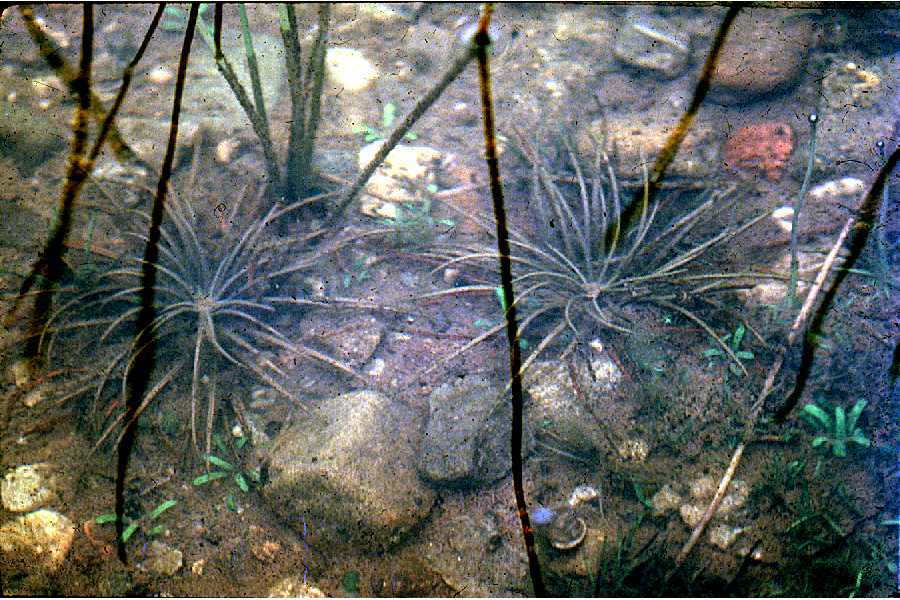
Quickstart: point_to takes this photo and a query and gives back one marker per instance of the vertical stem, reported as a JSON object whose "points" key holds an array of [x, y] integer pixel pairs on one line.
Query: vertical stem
{"points": [[252, 65], [482, 42], [315, 74], [145, 349], [798, 208], [293, 61], [49, 267]]}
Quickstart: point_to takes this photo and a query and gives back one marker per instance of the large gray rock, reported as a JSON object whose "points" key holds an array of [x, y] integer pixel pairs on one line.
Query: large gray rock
{"points": [[649, 42], [467, 438], [349, 470]]}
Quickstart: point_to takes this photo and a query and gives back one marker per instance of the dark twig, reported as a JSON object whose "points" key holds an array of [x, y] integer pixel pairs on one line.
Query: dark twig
{"points": [[667, 155], [53, 57], [144, 342], [865, 220], [49, 265], [482, 42]]}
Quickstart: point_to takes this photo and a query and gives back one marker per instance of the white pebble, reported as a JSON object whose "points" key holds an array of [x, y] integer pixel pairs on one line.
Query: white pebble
{"points": [[160, 75]]}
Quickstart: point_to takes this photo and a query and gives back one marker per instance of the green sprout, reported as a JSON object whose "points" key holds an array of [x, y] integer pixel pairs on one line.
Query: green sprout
{"points": [[388, 116], [226, 469], [737, 338], [133, 524], [839, 431]]}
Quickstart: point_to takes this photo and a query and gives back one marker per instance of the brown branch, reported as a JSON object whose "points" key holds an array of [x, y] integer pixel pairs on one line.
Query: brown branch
{"points": [[50, 263], [482, 42], [145, 349]]}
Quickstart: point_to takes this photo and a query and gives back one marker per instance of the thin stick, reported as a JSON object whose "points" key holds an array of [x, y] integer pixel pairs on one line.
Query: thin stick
{"points": [[756, 410], [798, 208], [480, 48]]}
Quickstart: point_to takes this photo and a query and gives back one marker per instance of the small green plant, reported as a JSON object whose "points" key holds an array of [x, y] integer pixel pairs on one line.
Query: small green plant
{"points": [[736, 339], [838, 431], [227, 469], [145, 522], [388, 116]]}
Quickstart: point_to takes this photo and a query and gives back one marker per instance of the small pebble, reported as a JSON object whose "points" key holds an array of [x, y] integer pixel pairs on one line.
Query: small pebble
{"points": [[160, 75]]}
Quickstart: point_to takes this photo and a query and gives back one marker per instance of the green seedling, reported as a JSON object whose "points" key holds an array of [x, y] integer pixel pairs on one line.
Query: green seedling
{"points": [[225, 469], [736, 339], [388, 116], [132, 524], [838, 431]]}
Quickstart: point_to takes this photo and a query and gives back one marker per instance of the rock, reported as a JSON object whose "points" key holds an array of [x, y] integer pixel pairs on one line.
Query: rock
{"points": [[294, 587], [161, 559], [28, 487], [473, 557], [403, 177], [557, 412], [762, 147], [350, 467], [466, 441], [21, 372], [649, 42], [349, 70], [723, 536], [702, 491], [354, 342], [637, 140], [37, 540], [34, 397], [634, 450], [851, 87], [764, 51], [664, 501]]}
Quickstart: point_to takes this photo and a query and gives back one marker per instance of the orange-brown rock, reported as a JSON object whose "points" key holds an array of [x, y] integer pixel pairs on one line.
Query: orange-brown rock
{"points": [[764, 147]]}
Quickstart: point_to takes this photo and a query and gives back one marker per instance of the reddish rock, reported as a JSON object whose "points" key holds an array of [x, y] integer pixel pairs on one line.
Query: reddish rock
{"points": [[765, 147]]}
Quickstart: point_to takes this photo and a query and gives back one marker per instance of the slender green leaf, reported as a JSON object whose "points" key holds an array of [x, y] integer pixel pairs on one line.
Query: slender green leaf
{"points": [[241, 482], [107, 518], [162, 508], [744, 354], [854, 415], [230, 503], [738, 337], [222, 464], [411, 136], [818, 414], [157, 530], [207, 477], [712, 352], [840, 423], [241, 442], [388, 114], [819, 440], [129, 531], [860, 439]]}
